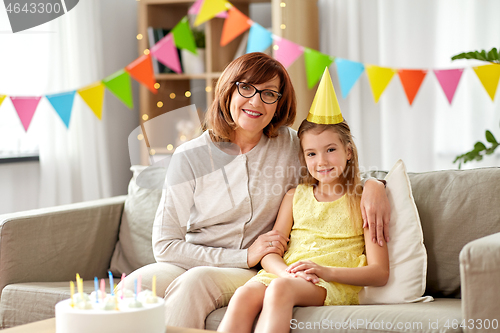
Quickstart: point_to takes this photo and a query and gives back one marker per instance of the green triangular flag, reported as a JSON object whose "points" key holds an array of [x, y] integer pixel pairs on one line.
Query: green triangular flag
{"points": [[119, 84], [183, 36], [315, 65]]}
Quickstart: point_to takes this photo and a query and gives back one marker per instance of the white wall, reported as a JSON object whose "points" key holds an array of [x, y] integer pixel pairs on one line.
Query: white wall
{"points": [[19, 182]]}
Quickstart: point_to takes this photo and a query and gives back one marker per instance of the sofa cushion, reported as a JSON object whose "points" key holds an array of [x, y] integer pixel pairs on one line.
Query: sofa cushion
{"points": [[134, 248], [23, 303], [407, 255], [455, 207], [417, 317]]}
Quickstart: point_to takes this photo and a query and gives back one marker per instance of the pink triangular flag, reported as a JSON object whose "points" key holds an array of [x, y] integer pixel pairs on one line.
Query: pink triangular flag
{"points": [[448, 79], [195, 9], [25, 107], [287, 52], [166, 52]]}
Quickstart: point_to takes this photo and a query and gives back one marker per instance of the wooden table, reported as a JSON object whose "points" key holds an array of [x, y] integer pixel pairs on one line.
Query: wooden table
{"points": [[49, 326]]}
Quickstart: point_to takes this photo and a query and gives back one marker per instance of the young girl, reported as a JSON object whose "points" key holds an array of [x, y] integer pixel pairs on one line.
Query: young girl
{"points": [[327, 261]]}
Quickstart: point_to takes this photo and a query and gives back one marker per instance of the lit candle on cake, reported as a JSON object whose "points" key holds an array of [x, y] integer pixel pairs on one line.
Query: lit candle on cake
{"points": [[72, 292], [135, 289], [103, 288], [111, 285], [96, 287], [123, 285], [79, 285]]}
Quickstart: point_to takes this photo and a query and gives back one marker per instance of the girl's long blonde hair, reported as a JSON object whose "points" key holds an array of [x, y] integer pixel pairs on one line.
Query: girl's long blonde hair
{"points": [[350, 178]]}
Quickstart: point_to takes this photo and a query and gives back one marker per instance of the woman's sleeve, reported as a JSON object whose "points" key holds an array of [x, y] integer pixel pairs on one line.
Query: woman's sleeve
{"points": [[170, 225]]}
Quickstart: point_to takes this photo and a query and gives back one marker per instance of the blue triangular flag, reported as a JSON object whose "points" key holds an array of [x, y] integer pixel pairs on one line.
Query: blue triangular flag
{"points": [[63, 104], [259, 39], [348, 72]]}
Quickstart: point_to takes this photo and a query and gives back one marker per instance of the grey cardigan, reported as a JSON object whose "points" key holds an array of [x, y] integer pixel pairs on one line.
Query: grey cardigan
{"points": [[216, 204]]}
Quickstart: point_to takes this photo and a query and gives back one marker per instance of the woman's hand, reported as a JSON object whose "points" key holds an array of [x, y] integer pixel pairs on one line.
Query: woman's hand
{"points": [[376, 210], [273, 241], [309, 268]]}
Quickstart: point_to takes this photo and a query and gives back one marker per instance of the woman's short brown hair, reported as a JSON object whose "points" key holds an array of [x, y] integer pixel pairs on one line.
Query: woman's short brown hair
{"points": [[254, 68]]}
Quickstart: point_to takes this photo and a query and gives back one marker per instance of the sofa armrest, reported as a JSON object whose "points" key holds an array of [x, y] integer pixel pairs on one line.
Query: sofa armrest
{"points": [[53, 244], [479, 272]]}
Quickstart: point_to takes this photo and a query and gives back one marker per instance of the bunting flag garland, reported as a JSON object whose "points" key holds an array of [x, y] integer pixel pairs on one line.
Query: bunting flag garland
{"points": [[411, 79], [119, 84], [286, 52], [63, 104], [379, 78], [141, 70], [195, 9], [25, 108], [93, 95], [315, 65], [349, 73], [448, 79], [235, 24], [489, 76], [183, 36], [209, 9], [166, 52], [259, 39]]}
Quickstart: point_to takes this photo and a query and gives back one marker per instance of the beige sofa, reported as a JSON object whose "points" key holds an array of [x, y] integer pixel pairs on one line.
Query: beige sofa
{"points": [[41, 250]]}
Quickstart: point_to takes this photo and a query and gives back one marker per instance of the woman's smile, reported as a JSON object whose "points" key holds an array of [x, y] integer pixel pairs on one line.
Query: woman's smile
{"points": [[251, 113]]}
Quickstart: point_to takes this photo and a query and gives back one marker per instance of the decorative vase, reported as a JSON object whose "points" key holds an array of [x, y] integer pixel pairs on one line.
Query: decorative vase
{"points": [[191, 63]]}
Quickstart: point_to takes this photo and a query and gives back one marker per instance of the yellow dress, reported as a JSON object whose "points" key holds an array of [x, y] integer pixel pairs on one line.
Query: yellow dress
{"points": [[322, 232]]}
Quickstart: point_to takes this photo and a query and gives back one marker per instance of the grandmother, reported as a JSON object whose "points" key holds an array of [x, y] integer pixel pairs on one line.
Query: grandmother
{"points": [[224, 189]]}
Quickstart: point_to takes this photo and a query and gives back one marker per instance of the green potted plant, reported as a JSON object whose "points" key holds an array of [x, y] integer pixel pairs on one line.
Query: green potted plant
{"points": [[480, 149], [195, 64]]}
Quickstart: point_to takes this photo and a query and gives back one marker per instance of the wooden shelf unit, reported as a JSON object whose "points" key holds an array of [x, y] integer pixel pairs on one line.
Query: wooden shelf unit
{"points": [[167, 13]]}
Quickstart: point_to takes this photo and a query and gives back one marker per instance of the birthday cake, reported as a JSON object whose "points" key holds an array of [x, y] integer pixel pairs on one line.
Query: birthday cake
{"points": [[125, 312]]}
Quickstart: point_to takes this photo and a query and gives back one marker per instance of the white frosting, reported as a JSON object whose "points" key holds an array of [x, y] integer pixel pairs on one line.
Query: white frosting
{"points": [[113, 315], [127, 293]]}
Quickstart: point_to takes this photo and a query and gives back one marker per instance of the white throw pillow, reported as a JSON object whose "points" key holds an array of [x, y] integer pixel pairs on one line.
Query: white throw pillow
{"points": [[407, 254]]}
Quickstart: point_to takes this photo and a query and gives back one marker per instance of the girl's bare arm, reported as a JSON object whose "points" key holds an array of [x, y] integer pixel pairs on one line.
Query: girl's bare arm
{"points": [[273, 263]]}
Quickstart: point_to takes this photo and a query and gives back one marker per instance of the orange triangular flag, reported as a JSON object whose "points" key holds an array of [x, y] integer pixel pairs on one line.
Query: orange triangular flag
{"points": [[379, 78], [411, 79], [489, 76], [93, 95], [235, 24], [141, 69]]}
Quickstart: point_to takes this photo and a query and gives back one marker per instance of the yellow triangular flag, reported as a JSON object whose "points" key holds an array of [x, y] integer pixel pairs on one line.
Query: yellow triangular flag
{"points": [[325, 107], [93, 95], [489, 76], [209, 9], [2, 97], [379, 78]]}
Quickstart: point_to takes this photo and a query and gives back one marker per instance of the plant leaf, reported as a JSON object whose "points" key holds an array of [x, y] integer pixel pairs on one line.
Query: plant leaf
{"points": [[493, 55], [479, 146], [490, 137]]}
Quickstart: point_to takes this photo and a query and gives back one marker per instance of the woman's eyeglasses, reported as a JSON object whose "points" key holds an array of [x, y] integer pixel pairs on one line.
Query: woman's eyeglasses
{"points": [[248, 90]]}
